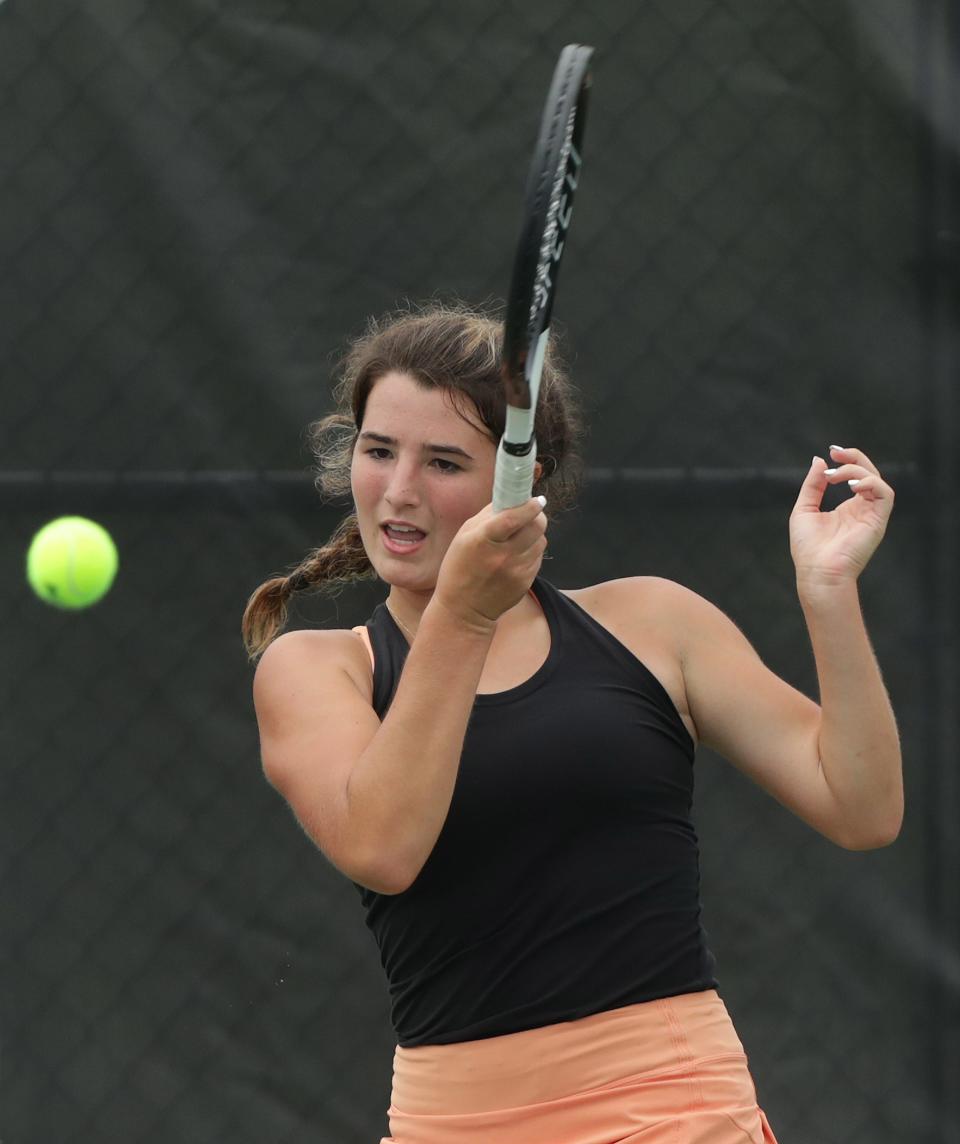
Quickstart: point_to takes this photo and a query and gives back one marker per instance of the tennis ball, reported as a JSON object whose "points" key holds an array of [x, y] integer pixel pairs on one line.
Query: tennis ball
{"points": [[71, 562]]}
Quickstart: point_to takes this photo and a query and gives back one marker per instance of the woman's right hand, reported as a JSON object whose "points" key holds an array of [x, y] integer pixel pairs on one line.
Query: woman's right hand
{"points": [[491, 563]]}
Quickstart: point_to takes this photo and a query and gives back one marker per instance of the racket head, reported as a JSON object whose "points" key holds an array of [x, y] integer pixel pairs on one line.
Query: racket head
{"points": [[551, 184]]}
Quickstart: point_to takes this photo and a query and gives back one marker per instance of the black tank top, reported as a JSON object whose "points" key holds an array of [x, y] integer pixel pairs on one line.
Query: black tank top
{"points": [[565, 880]]}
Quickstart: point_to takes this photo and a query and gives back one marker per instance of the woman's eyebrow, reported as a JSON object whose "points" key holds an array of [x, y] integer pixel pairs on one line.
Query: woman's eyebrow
{"points": [[368, 434]]}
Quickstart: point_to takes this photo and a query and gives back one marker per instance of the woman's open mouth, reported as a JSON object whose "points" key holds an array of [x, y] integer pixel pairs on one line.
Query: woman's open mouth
{"points": [[401, 539]]}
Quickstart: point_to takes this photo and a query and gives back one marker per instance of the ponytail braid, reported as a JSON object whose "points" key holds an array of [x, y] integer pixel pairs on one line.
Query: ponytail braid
{"points": [[340, 561]]}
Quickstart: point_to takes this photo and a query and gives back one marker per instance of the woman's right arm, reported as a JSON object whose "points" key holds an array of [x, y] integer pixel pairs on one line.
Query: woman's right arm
{"points": [[374, 796]]}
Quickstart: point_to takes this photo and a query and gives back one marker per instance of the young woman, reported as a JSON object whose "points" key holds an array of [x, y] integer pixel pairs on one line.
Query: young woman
{"points": [[504, 769]]}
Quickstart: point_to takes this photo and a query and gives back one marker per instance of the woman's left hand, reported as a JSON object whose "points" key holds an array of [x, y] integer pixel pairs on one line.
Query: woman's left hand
{"points": [[830, 548]]}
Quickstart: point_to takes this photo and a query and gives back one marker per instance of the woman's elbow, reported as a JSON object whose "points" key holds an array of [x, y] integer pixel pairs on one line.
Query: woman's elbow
{"points": [[872, 837]]}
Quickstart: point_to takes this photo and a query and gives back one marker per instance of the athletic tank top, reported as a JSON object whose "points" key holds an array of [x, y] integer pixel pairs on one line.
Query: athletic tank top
{"points": [[565, 880]]}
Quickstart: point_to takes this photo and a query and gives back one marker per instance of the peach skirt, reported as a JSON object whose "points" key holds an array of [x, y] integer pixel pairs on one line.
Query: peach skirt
{"points": [[662, 1072]]}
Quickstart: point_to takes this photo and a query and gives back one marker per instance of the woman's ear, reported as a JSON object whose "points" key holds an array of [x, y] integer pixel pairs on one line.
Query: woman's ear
{"points": [[537, 470]]}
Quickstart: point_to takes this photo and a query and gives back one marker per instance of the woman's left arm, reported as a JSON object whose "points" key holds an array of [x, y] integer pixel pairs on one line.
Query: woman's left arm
{"points": [[836, 765]]}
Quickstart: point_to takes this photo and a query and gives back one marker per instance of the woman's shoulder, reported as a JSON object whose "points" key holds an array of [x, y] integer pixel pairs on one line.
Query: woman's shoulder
{"points": [[651, 605], [629, 594], [317, 650], [681, 617]]}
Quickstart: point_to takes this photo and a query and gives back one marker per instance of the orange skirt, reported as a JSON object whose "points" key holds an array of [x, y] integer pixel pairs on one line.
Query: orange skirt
{"points": [[662, 1072]]}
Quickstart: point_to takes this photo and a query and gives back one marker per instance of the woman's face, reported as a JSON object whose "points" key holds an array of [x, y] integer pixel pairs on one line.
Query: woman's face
{"points": [[417, 463]]}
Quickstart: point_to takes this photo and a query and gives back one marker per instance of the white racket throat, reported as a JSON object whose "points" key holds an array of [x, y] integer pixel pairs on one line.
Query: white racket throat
{"points": [[519, 423], [536, 369], [519, 427]]}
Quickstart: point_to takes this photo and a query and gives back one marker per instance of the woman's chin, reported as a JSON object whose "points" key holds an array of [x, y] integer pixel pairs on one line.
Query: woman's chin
{"points": [[409, 579]]}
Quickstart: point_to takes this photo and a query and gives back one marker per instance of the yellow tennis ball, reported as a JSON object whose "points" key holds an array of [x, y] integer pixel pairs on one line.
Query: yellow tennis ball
{"points": [[71, 562]]}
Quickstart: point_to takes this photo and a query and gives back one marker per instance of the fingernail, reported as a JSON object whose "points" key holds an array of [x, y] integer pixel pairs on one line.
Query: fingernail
{"points": [[836, 448], [543, 501], [853, 482], [829, 472]]}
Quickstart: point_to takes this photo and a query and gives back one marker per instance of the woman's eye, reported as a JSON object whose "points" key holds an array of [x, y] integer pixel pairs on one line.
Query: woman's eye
{"points": [[379, 453]]}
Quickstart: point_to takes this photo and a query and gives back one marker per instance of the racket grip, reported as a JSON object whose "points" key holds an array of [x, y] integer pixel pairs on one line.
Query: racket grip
{"points": [[513, 478]]}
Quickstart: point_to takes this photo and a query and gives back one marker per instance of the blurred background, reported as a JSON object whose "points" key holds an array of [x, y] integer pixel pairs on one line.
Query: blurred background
{"points": [[201, 201]]}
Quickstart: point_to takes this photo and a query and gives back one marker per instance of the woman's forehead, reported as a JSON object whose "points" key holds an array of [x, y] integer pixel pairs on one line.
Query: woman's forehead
{"points": [[404, 402]]}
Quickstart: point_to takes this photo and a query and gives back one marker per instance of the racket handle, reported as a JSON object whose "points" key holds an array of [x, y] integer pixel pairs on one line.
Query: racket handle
{"points": [[513, 478]]}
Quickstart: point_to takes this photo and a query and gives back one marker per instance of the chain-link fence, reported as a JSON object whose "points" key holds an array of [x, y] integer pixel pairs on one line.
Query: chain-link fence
{"points": [[200, 202]]}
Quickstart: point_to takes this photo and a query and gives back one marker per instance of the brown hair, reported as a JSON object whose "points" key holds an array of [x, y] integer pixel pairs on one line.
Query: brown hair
{"points": [[446, 347]]}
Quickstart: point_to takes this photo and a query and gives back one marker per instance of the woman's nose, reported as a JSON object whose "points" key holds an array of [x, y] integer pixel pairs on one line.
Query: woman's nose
{"points": [[403, 487]]}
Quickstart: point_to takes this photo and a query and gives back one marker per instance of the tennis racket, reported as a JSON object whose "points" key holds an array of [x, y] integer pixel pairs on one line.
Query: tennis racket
{"points": [[548, 205]]}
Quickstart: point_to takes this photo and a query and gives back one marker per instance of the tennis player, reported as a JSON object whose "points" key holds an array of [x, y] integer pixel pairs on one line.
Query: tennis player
{"points": [[505, 769]]}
